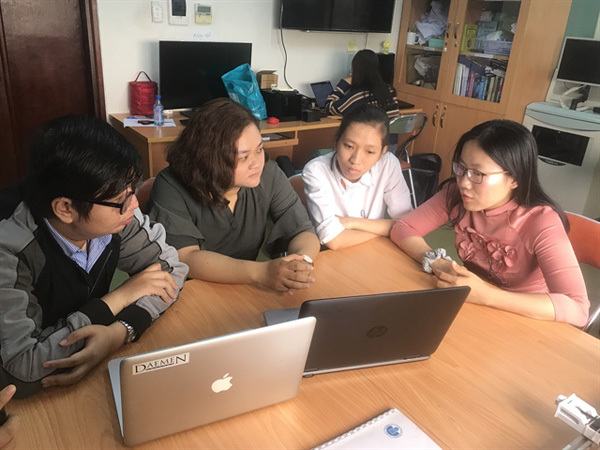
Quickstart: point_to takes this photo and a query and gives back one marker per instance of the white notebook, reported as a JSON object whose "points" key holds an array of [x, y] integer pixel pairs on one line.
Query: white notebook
{"points": [[390, 430]]}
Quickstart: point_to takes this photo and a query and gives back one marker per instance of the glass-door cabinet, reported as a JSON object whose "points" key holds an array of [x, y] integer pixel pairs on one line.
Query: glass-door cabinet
{"points": [[423, 46], [456, 48], [484, 48]]}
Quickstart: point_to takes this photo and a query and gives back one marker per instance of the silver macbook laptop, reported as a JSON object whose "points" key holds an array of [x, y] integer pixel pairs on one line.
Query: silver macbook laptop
{"points": [[174, 389], [321, 91], [374, 330]]}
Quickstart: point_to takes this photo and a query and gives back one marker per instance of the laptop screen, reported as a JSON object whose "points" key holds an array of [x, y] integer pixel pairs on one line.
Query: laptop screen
{"points": [[321, 91]]}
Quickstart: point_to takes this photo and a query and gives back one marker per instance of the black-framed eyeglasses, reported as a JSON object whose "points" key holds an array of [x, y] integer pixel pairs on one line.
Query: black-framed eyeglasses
{"points": [[473, 175], [123, 206]]}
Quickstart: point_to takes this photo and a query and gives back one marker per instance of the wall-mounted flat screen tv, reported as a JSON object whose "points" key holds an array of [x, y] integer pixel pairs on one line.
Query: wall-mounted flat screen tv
{"points": [[190, 72], [362, 16], [580, 61]]}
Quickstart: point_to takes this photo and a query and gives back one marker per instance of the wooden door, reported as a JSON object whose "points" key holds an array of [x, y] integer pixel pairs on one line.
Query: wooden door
{"points": [[50, 67]]}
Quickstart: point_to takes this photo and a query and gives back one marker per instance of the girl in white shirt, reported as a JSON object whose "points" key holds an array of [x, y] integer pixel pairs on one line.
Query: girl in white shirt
{"points": [[350, 190]]}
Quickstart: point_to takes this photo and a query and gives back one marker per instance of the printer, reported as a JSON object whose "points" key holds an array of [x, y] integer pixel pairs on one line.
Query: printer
{"points": [[285, 105]]}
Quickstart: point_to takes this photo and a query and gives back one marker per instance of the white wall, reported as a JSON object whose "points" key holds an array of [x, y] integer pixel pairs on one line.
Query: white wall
{"points": [[129, 42]]}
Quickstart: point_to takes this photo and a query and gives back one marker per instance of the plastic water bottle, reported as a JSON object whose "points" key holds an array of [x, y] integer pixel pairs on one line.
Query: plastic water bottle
{"points": [[159, 112]]}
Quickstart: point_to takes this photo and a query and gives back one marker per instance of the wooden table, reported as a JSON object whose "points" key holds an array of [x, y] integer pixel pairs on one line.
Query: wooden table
{"points": [[492, 382], [301, 139]]}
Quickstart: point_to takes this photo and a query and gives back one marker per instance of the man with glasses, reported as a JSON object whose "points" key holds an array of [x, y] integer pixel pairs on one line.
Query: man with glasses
{"points": [[78, 222]]}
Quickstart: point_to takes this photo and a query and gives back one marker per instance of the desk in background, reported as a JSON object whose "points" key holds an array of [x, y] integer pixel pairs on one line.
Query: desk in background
{"points": [[492, 382], [301, 139]]}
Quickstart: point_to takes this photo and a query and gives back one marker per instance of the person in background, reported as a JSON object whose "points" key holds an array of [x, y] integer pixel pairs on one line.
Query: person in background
{"points": [[216, 197], [511, 237], [59, 250], [364, 86], [350, 190], [8, 428]]}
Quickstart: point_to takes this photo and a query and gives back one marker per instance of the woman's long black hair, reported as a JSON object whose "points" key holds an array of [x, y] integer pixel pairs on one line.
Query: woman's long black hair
{"points": [[366, 77], [512, 147]]}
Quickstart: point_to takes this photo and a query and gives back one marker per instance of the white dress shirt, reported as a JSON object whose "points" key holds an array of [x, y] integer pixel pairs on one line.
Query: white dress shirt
{"points": [[329, 194]]}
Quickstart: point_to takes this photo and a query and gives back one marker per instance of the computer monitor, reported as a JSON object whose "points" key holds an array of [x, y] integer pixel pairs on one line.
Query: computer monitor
{"points": [[190, 72], [578, 62]]}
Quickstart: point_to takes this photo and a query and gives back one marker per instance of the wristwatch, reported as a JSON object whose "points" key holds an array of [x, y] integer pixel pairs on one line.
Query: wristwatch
{"points": [[130, 336]]}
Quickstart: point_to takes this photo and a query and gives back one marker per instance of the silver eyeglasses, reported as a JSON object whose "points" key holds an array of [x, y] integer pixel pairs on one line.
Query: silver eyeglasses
{"points": [[473, 175]]}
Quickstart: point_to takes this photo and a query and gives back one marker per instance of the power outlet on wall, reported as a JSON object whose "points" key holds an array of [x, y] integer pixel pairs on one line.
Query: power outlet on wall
{"points": [[157, 12]]}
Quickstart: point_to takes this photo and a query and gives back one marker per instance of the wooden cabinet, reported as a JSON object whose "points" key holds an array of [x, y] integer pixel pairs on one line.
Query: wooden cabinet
{"points": [[476, 60]]}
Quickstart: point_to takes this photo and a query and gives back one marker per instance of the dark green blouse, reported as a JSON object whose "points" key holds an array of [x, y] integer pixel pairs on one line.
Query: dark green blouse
{"points": [[239, 234]]}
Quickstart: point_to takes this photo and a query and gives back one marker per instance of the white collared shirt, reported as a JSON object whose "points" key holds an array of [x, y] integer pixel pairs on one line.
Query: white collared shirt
{"points": [[382, 189]]}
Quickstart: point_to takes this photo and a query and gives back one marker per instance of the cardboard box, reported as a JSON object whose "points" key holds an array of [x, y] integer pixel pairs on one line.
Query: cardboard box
{"points": [[266, 78]]}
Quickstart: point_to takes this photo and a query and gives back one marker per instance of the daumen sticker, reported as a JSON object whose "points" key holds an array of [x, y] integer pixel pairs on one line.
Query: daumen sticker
{"points": [[162, 363]]}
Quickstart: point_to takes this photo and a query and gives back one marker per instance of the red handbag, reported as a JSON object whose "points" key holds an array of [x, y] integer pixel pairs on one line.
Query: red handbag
{"points": [[142, 95]]}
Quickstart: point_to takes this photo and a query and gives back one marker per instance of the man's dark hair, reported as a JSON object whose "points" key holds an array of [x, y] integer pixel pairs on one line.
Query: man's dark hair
{"points": [[80, 158]]}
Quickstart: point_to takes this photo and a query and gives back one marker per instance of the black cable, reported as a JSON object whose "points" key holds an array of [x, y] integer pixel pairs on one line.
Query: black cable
{"points": [[285, 61]]}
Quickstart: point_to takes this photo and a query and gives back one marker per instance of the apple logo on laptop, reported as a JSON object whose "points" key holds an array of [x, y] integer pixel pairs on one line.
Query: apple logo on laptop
{"points": [[222, 384]]}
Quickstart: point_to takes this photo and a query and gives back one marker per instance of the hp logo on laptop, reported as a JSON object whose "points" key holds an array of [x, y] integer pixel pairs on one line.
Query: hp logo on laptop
{"points": [[393, 430], [376, 332]]}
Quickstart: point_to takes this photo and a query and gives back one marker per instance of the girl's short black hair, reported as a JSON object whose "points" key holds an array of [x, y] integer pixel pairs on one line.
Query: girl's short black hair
{"points": [[80, 158], [369, 115]]}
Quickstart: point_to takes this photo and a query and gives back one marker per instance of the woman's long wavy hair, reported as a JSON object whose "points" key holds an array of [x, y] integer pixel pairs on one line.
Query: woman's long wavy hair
{"points": [[204, 156], [512, 147], [366, 77]]}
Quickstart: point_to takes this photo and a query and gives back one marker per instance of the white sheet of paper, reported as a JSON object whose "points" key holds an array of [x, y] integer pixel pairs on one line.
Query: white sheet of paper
{"points": [[135, 123]]}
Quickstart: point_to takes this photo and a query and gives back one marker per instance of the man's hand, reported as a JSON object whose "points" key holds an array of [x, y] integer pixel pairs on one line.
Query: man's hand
{"points": [[289, 273], [9, 429], [100, 341], [150, 281]]}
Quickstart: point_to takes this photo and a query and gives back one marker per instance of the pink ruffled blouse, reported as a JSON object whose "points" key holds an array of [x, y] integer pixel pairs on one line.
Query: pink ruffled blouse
{"points": [[513, 247]]}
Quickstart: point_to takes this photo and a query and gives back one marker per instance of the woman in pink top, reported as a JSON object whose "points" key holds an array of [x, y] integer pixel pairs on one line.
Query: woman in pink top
{"points": [[511, 237]]}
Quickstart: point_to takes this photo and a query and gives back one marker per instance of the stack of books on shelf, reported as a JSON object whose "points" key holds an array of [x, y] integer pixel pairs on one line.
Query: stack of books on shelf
{"points": [[483, 81]]}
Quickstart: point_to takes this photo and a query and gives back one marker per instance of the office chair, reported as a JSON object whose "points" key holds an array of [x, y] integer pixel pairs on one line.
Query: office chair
{"points": [[298, 185], [414, 124], [585, 239], [143, 193]]}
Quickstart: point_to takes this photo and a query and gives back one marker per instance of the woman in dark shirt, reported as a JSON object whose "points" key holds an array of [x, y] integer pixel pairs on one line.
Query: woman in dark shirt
{"points": [[365, 86], [216, 197]]}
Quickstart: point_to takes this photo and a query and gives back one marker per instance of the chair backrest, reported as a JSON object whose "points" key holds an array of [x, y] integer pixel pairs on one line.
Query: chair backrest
{"points": [[410, 123], [298, 184], [585, 239], [143, 193], [584, 235]]}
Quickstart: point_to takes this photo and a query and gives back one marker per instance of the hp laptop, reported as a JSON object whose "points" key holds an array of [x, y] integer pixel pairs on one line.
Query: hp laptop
{"points": [[174, 389], [321, 90], [374, 330]]}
